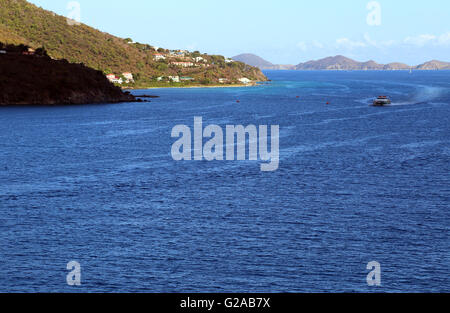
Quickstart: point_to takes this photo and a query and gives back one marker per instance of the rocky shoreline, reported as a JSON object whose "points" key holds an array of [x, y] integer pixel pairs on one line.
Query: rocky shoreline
{"points": [[254, 84]]}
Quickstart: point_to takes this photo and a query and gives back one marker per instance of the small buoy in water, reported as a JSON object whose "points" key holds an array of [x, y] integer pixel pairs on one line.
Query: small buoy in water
{"points": [[238, 101], [328, 102], [298, 97]]}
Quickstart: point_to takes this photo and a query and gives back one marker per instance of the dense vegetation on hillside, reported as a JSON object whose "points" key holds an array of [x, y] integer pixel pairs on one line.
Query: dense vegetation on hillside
{"points": [[24, 23]]}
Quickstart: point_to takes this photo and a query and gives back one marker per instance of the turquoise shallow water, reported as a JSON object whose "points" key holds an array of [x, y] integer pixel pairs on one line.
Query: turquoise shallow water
{"points": [[97, 184]]}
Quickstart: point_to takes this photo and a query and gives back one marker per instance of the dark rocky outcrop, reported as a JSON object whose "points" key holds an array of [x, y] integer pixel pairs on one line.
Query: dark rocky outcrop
{"points": [[34, 79]]}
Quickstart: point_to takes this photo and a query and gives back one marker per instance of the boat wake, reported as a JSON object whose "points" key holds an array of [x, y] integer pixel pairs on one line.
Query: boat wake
{"points": [[424, 94]]}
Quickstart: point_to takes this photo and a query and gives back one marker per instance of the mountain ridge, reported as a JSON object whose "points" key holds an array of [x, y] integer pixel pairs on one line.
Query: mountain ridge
{"points": [[340, 62]]}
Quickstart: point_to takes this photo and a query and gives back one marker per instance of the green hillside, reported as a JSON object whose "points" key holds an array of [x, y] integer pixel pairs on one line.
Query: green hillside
{"points": [[23, 22]]}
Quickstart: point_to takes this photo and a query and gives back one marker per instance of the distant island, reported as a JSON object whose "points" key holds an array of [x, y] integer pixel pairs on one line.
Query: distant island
{"points": [[339, 63], [127, 63], [31, 77], [256, 61]]}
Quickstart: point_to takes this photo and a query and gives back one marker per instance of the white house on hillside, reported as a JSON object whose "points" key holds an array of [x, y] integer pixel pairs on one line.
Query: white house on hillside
{"points": [[245, 80], [159, 56], [128, 76], [182, 64], [114, 79]]}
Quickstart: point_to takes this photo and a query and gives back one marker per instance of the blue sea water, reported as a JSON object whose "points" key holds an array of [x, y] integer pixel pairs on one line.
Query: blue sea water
{"points": [[97, 184]]}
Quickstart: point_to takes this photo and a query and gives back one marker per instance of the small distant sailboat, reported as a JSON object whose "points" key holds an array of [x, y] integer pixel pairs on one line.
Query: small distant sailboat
{"points": [[410, 71]]}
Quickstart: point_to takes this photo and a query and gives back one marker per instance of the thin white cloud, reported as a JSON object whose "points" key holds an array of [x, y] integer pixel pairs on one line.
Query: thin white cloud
{"points": [[317, 44], [381, 44], [428, 39], [350, 44], [369, 40], [444, 39], [420, 40], [302, 45], [388, 43]]}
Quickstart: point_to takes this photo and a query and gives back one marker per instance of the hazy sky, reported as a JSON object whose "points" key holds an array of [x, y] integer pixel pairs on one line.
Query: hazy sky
{"points": [[283, 31]]}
